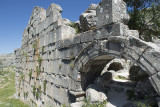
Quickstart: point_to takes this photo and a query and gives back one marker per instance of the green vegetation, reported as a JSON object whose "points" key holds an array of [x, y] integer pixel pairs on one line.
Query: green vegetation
{"points": [[144, 17], [60, 66], [22, 76], [25, 94], [42, 49], [122, 78], [130, 94], [38, 70], [30, 75], [76, 27], [98, 104], [25, 54], [72, 65], [39, 60], [142, 104], [34, 90], [39, 88], [7, 89], [44, 85], [34, 45]]}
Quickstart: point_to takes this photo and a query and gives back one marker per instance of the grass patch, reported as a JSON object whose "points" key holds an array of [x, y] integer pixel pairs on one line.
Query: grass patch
{"points": [[98, 104], [7, 90], [122, 78]]}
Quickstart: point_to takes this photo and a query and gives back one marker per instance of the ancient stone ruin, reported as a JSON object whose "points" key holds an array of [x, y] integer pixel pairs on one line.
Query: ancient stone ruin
{"points": [[55, 65]]}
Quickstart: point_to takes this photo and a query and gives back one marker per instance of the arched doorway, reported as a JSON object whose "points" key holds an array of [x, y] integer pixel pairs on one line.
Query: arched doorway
{"points": [[92, 61]]}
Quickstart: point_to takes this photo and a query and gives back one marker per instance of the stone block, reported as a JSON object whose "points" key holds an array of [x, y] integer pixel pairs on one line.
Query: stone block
{"points": [[87, 36], [75, 50], [64, 53], [60, 94], [77, 39], [56, 54], [111, 11], [38, 14], [155, 82], [118, 29], [88, 18], [151, 61], [41, 41], [55, 66], [53, 9], [64, 67], [65, 32], [40, 27], [134, 33]]}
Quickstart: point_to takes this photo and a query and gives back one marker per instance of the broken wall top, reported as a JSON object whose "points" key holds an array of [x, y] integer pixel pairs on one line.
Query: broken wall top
{"points": [[111, 11]]}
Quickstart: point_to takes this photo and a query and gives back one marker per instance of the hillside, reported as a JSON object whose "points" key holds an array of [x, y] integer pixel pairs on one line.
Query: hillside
{"points": [[6, 59]]}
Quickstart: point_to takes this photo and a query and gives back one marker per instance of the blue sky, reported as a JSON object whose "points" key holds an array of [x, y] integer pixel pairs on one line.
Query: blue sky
{"points": [[14, 16]]}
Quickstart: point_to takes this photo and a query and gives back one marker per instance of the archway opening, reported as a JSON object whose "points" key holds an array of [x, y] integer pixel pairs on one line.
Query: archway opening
{"points": [[91, 71], [123, 84], [116, 66]]}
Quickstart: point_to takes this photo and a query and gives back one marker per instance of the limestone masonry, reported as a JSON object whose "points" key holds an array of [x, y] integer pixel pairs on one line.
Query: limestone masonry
{"points": [[55, 64]]}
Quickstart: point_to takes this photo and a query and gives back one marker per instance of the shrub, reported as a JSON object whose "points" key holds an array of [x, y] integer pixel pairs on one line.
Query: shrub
{"points": [[38, 70], [39, 60], [44, 85], [76, 27], [130, 94], [37, 95], [39, 88], [30, 74], [34, 90]]}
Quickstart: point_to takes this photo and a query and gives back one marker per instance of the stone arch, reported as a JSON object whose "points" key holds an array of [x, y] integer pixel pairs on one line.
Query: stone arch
{"points": [[130, 48]]}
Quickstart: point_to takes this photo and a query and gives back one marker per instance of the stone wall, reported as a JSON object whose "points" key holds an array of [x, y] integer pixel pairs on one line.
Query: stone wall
{"points": [[40, 71], [52, 64]]}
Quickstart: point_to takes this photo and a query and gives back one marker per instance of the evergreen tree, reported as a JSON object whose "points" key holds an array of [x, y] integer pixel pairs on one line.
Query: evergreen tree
{"points": [[144, 17]]}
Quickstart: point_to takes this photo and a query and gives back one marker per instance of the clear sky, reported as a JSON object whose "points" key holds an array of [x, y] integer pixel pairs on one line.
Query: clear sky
{"points": [[14, 17]]}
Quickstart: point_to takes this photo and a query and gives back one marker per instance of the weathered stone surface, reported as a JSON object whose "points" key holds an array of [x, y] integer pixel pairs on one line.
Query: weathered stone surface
{"points": [[94, 96], [66, 32], [88, 18], [66, 22], [77, 104], [111, 11], [55, 10], [38, 15], [52, 58], [144, 88]]}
